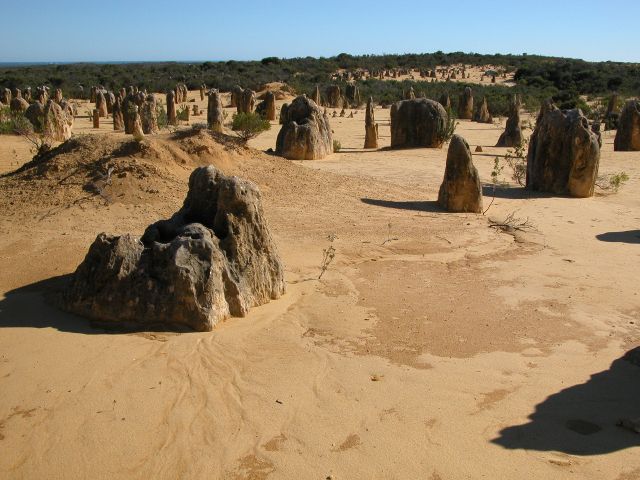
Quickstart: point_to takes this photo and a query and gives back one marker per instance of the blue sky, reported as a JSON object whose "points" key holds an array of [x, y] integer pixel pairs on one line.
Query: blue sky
{"points": [[118, 30]]}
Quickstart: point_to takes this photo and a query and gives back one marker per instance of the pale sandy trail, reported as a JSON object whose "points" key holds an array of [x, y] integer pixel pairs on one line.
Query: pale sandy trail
{"points": [[406, 361]]}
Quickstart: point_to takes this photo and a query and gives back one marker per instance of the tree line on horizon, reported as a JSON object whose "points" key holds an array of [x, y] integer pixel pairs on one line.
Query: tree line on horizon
{"points": [[565, 80]]}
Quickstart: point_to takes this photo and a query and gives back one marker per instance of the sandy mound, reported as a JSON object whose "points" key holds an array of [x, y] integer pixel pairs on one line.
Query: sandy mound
{"points": [[115, 168]]}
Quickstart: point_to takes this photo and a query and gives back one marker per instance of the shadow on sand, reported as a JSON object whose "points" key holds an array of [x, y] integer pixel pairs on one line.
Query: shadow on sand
{"points": [[581, 420], [423, 206], [37, 306], [630, 236]]}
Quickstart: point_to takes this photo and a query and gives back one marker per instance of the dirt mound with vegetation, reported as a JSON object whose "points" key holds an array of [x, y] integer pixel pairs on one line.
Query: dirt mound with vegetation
{"points": [[116, 169]]}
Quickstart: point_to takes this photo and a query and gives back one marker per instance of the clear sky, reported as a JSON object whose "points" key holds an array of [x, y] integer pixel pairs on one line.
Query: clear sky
{"points": [[119, 30]]}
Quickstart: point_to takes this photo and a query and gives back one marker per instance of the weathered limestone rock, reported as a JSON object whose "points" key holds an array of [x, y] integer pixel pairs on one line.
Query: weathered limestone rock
{"points": [[138, 132], [628, 134], [418, 123], [172, 118], [465, 104], [57, 96], [101, 104], [612, 116], [195, 110], [42, 95], [370, 126], [316, 96], [212, 259], [6, 97], [55, 124], [129, 112], [445, 101], [283, 113], [18, 104], [461, 190], [215, 112], [334, 96], [236, 96], [246, 103], [512, 135], [305, 133], [96, 118], [35, 115], [110, 98], [94, 91], [116, 113], [27, 94], [352, 94], [203, 91], [409, 94], [482, 114], [267, 108], [149, 116], [563, 153]]}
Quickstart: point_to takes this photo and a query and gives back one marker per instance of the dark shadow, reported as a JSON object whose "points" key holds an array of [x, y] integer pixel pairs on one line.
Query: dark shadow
{"points": [[582, 420], [422, 206], [37, 306], [630, 236], [514, 193]]}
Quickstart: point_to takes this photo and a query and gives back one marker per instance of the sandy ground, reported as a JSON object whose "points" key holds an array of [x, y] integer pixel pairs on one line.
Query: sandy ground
{"points": [[434, 346]]}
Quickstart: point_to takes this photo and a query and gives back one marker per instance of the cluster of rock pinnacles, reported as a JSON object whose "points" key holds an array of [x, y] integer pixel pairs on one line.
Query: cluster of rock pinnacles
{"points": [[212, 259], [215, 257]]}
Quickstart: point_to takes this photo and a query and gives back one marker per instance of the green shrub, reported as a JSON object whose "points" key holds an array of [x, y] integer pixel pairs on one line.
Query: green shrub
{"points": [[249, 125], [336, 146], [161, 113], [14, 123], [450, 127]]}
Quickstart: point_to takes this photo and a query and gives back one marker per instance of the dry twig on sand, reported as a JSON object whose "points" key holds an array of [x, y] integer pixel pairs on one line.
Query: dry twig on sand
{"points": [[511, 224]]}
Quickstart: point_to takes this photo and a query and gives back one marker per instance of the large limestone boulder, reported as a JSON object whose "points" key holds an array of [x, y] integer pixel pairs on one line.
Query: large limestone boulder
{"points": [[212, 259], [512, 135], [247, 101], [149, 116], [352, 95], [118, 118], [461, 190], [18, 104], [465, 104], [305, 133], [56, 125], [215, 112], [445, 101], [564, 153], [35, 115], [334, 96], [482, 114], [172, 116], [418, 123], [628, 134], [101, 104], [267, 108], [236, 95]]}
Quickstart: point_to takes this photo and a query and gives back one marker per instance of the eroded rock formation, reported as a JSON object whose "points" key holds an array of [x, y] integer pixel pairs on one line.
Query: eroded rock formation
{"points": [[563, 153], [215, 112], [461, 190], [418, 123], [371, 128], [628, 134], [305, 133], [512, 135], [482, 114], [212, 259], [465, 104]]}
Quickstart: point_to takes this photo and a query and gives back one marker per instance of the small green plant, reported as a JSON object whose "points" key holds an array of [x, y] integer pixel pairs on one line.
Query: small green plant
{"points": [[337, 146], [328, 254], [249, 125], [497, 171], [161, 113], [13, 123], [612, 182], [449, 128], [516, 158], [183, 113]]}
